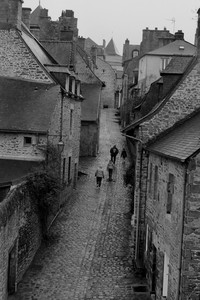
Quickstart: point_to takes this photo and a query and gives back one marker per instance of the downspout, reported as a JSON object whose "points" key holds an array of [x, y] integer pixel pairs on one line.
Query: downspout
{"points": [[138, 211], [182, 232]]}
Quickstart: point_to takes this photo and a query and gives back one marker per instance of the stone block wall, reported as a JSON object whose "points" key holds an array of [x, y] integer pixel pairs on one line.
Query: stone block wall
{"points": [[190, 281], [19, 229], [166, 228], [12, 146], [106, 74], [70, 137], [89, 139], [184, 101], [16, 60]]}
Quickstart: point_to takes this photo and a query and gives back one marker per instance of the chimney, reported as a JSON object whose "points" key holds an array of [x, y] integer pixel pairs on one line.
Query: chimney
{"points": [[26, 16], [104, 43], [81, 42], [10, 14], [35, 30], [93, 52], [179, 35]]}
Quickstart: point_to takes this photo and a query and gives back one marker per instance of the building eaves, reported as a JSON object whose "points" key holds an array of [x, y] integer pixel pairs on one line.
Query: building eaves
{"points": [[181, 142]]}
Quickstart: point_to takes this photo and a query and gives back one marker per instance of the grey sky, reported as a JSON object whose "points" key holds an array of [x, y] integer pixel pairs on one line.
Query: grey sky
{"points": [[119, 20]]}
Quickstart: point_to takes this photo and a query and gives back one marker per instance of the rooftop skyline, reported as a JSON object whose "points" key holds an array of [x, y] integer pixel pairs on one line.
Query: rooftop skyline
{"points": [[121, 20]]}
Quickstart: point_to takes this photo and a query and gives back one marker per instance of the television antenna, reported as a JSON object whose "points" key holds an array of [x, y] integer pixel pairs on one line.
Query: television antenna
{"points": [[173, 21]]}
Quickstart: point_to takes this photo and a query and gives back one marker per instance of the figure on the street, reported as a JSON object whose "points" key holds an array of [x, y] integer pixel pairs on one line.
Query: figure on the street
{"points": [[113, 153], [110, 168], [99, 176], [123, 154]]}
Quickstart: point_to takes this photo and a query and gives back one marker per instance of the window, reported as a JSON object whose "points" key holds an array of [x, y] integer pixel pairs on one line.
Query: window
{"points": [[69, 169], [170, 192], [135, 53], [165, 275], [27, 141], [67, 83], [71, 121], [155, 190], [63, 171], [150, 178], [165, 62]]}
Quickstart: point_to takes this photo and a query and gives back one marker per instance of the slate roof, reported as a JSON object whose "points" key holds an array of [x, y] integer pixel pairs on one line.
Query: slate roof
{"points": [[174, 49], [111, 49], [181, 142], [61, 51], [14, 170], [25, 105], [35, 47], [177, 65], [35, 15], [91, 105]]}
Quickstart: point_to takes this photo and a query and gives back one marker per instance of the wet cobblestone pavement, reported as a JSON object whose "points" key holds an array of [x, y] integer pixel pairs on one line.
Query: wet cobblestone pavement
{"points": [[90, 259]]}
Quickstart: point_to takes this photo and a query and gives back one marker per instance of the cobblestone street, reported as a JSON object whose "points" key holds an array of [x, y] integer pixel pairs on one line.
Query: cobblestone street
{"points": [[90, 258]]}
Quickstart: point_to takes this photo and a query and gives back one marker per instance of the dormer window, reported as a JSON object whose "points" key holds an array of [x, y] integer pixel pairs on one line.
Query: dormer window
{"points": [[72, 84], [165, 62], [67, 83], [181, 47], [77, 88]]}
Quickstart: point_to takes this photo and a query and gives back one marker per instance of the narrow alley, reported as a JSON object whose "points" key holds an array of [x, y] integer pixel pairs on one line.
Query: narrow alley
{"points": [[90, 257]]}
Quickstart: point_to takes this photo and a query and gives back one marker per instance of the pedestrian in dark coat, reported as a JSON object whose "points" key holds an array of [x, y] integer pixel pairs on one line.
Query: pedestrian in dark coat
{"points": [[113, 153], [123, 154]]}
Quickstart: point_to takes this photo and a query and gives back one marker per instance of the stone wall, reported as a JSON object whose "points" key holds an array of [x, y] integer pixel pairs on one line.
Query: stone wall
{"points": [[12, 146], [16, 60], [184, 101], [89, 139], [106, 74], [70, 137], [166, 228], [190, 282], [19, 231]]}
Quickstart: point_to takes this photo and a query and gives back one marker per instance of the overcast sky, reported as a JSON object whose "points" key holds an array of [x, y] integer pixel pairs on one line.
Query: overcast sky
{"points": [[119, 19]]}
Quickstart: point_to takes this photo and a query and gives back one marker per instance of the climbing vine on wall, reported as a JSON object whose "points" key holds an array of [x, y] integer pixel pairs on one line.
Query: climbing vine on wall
{"points": [[44, 186]]}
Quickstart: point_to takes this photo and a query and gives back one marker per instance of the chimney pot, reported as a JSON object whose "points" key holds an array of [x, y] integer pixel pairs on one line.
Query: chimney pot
{"points": [[179, 35]]}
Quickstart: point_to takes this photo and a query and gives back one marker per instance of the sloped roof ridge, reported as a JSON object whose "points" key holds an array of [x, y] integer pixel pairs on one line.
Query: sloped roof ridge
{"points": [[160, 105], [111, 48], [175, 125], [79, 49]]}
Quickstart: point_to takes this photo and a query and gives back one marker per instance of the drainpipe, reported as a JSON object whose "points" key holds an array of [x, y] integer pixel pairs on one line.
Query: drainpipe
{"points": [[182, 232], [138, 211]]}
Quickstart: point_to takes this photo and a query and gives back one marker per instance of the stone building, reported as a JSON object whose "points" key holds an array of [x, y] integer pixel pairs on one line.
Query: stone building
{"points": [[40, 104], [131, 96], [171, 232], [172, 217], [108, 63], [67, 49]]}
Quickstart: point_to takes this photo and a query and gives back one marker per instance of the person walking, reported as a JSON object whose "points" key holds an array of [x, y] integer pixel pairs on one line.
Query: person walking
{"points": [[99, 176], [110, 168], [123, 154], [113, 153]]}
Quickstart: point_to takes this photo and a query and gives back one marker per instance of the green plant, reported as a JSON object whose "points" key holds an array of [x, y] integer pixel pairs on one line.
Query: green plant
{"points": [[43, 185]]}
